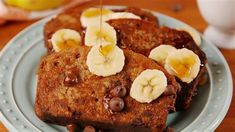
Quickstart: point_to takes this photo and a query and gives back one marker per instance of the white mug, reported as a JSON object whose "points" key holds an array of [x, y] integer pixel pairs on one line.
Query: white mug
{"points": [[220, 15]]}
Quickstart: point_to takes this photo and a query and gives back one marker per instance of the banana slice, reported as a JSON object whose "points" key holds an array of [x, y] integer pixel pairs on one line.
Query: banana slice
{"points": [[105, 65], [148, 86], [92, 15], [123, 15], [161, 52], [194, 33], [105, 48], [96, 36], [184, 64], [65, 39]]}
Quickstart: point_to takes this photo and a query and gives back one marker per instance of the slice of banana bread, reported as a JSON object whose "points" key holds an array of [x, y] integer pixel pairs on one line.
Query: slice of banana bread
{"points": [[81, 99], [71, 19], [142, 36]]}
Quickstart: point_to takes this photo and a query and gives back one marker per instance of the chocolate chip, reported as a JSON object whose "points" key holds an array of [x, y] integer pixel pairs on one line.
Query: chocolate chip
{"points": [[116, 104], [70, 79], [119, 91], [89, 129], [72, 128], [77, 56], [170, 90], [138, 25], [56, 63]]}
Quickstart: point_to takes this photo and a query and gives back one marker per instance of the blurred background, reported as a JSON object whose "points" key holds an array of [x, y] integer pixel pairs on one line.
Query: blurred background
{"points": [[15, 15]]}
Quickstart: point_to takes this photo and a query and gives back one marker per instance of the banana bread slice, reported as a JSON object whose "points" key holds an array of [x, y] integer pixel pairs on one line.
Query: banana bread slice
{"points": [[82, 100], [142, 36], [71, 19]]}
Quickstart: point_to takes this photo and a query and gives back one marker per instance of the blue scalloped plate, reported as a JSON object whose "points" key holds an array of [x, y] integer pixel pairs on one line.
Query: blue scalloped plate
{"points": [[20, 58]]}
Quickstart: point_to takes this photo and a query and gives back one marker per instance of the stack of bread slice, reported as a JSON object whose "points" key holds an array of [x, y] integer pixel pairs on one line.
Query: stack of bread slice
{"points": [[71, 91]]}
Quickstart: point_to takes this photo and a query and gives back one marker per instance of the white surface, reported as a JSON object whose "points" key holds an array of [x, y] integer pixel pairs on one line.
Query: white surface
{"points": [[220, 14]]}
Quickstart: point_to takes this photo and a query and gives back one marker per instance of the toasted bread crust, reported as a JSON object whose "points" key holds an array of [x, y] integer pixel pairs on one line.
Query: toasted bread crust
{"points": [[83, 103]]}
